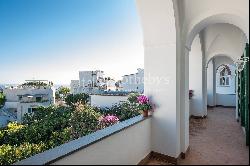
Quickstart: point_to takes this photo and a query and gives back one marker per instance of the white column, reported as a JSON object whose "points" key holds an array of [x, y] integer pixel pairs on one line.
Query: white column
{"points": [[237, 97], [211, 83], [161, 73], [204, 90], [197, 78], [214, 83], [184, 100]]}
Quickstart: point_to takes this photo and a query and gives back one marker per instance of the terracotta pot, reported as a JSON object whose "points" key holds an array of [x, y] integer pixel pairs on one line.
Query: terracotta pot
{"points": [[145, 113]]}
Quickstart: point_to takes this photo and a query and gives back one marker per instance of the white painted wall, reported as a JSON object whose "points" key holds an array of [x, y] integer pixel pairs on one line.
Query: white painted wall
{"points": [[160, 63], [133, 82], [22, 108], [89, 77], [195, 78], [111, 85], [127, 147], [106, 101], [226, 100], [11, 105], [12, 94], [74, 86]]}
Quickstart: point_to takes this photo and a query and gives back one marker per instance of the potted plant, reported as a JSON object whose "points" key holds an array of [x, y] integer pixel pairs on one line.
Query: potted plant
{"points": [[144, 105]]}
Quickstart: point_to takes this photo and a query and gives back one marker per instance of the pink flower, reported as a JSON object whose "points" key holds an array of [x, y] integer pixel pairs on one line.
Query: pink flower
{"points": [[142, 99], [111, 119]]}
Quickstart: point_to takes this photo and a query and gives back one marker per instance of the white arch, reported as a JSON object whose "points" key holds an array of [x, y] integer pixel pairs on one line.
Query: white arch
{"points": [[206, 20], [219, 55]]}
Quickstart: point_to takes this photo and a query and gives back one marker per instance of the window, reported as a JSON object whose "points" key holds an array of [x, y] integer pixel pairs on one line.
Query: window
{"points": [[38, 99], [29, 110], [225, 76]]}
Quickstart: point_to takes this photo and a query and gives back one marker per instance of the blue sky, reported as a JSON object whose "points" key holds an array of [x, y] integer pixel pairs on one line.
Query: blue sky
{"points": [[54, 39]]}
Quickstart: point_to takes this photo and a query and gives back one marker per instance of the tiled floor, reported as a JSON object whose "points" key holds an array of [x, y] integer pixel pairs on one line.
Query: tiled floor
{"points": [[218, 139]]}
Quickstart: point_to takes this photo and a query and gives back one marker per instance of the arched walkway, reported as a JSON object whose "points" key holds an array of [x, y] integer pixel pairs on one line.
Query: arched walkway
{"points": [[217, 139], [169, 29]]}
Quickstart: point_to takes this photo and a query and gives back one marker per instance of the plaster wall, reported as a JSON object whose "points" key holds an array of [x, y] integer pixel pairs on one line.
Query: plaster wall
{"points": [[106, 101], [195, 78], [160, 63]]}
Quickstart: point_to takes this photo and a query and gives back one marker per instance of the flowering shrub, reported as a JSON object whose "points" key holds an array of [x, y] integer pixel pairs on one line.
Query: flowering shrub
{"points": [[106, 121], [52, 126], [142, 99], [123, 110], [83, 121], [12, 153], [143, 103], [132, 97]]}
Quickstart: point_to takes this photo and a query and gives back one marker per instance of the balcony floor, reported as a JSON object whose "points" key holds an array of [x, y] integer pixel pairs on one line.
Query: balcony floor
{"points": [[218, 139]]}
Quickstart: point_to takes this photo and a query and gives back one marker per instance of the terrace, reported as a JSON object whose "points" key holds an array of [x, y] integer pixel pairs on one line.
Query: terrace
{"points": [[173, 30], [36, 98]]}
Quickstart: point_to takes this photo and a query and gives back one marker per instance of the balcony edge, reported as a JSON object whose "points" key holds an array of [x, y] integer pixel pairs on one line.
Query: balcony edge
{"points": [[52, 155]]}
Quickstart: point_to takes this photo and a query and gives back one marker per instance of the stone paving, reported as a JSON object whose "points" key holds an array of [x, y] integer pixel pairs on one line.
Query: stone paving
{"points": [[218, 139]]}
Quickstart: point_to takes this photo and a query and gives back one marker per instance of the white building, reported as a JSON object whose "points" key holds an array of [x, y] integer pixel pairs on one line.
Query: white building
{"points": [[74, 86], [133, 82], [92, 82], [111, 85], [25, 99], [90, 78]]}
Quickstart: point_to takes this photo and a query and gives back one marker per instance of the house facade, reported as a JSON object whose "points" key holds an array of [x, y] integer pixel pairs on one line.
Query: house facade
{"points": [[133, 82], [21, 100], [92, 82]]}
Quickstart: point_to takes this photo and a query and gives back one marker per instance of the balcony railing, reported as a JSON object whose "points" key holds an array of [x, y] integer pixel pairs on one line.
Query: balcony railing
{"points": [[127, 142]]}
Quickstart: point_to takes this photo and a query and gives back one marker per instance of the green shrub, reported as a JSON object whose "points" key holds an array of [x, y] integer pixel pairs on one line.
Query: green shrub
{"points": [[12, 134], [2, 99], [58, 138], [123, 111], [37, 127], [74, 98], [62, 92], [132, 97], [84, 120]]}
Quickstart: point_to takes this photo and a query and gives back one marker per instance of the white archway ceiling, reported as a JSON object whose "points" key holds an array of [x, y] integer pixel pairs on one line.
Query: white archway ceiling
{"points": [[198, 14], [222, 60], [223, 39]]}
